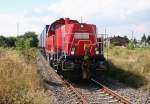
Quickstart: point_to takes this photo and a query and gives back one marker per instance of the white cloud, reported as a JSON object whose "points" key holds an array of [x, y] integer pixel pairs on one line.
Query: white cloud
{"points": [[90, 8], [141, 28], [108, 13], [38, 10], [94, 11], [33, 20], [8, 23]]}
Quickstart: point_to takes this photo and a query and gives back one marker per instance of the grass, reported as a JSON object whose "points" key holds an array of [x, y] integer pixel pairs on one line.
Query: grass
{"points": [[19, 80], [130, 66]]}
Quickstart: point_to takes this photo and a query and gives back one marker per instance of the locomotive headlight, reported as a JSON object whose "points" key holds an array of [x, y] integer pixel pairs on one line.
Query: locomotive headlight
{"points": [[97, 52], [82, 26], [72, 52]]}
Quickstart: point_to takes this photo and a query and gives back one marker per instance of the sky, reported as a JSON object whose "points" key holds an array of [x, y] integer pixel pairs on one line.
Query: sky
{"points": [[118, 17]]}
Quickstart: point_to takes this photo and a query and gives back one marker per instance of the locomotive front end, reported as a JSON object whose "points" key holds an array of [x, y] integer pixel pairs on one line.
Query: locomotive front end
{"points": [[84, 52]]}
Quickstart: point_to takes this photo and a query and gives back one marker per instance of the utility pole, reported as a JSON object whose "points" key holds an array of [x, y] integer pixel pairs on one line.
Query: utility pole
{"points": [[17, 28], [132, 35], [106, 40]]}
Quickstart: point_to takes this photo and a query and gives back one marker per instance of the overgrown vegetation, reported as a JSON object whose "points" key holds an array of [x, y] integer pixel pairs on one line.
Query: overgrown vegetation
{"points": [[26, 44], [19, 80], [130, 66], [131, 45]]}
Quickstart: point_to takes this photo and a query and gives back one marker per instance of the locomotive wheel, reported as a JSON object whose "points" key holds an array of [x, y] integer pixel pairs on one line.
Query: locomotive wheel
{"points": [[59, 70], [47, 57], [107, 63], [51, 62]]}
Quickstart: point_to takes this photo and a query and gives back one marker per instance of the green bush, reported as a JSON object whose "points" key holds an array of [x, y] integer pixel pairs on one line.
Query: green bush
{"points": [[24, 48], [32, 38], [20, 44], [131, 45]]}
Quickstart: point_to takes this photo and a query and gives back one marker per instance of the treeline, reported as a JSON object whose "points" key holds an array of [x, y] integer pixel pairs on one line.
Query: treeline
{"points": [[29, 39], [126, 42], [145, 39], [7, 41], [119, 41]]}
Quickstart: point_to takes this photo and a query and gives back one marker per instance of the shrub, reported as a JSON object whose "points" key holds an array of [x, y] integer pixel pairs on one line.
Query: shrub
{"points": [[19, 80], [24, 48], [131, 45]]}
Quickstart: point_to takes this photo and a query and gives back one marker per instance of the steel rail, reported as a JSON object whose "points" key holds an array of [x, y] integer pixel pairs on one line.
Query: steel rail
{"points": [[79, 96], [119, 98], [82, 99]]}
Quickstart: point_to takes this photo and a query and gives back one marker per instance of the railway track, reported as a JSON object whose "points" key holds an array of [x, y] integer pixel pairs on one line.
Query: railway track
{"points": [[80, 99], [94, 93], [111, 95], [97, 94], [103, 95]]}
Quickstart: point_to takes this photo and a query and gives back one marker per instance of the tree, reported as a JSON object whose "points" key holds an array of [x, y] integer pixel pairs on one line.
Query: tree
{"points": [[33, 38], [7, 41], [20, 44], [143, 39], [3, 41], [148, 39], [10, 41], [134, 41], [131, 45], [29, 39], [119, 41]]}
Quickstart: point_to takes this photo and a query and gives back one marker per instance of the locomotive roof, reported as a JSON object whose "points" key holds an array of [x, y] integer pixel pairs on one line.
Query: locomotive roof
{"points": [[60, 22]]}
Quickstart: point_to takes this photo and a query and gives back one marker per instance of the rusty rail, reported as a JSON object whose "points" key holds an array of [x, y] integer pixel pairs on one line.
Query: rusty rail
{"points": [[82, 99], [112, 93], [79, 96]]}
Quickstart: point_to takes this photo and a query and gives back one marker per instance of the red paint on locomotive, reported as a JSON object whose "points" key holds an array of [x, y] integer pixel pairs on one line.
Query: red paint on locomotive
{"points": [[64, 35]]}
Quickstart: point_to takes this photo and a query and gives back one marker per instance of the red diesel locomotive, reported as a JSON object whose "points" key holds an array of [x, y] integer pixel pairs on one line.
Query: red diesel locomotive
{"points": [[73, 48]]}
